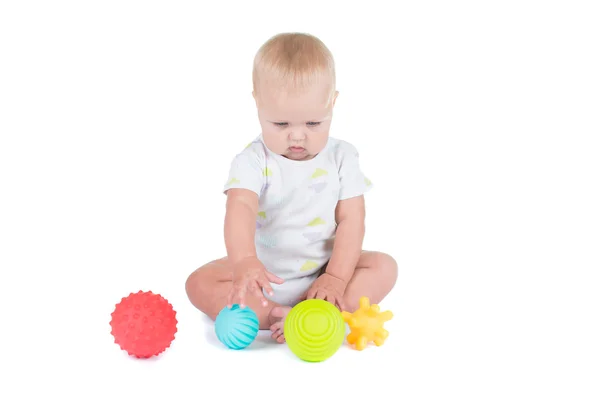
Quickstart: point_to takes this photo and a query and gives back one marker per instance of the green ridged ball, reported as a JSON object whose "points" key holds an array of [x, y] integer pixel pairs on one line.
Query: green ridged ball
{"points": [[314, 330]]}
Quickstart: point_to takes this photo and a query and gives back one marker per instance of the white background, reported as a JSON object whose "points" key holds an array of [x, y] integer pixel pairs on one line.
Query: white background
{"points": [[478, 122]]}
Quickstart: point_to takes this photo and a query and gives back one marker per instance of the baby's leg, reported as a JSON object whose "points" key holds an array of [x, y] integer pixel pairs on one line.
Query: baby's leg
{"points": [[374, 277], [208, 288], [289, 294]]}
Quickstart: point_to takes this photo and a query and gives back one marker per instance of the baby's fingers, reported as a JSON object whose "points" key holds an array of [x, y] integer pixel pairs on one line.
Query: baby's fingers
{"points": [[230, 298], [273, 278], [338, 301], [264, 284], [341, 304], [321, 295], [331, 299], [238, 295], [257, 290]]}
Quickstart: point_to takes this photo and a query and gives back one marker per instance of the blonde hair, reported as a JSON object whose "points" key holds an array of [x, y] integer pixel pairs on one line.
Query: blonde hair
{"points": [[293, 61]]}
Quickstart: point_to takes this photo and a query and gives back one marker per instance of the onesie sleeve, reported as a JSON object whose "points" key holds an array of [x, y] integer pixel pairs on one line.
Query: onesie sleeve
{"points": [[353, 182], [245, 171]]}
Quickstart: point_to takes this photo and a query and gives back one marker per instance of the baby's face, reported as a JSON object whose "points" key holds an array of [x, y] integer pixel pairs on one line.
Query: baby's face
{"points": [[295, 126]]}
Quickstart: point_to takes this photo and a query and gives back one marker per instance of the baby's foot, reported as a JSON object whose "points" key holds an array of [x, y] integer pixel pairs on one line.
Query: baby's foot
{"points": [[277, 319]]}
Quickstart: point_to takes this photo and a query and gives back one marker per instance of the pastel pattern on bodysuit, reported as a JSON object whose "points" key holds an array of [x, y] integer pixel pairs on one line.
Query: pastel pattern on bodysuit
{"points": [[319, 180], [314, 229], [267, 241], [261, 217], [308, 266]]}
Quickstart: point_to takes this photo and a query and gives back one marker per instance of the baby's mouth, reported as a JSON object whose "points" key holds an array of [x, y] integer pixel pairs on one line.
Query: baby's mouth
{"points": [[296, 149]]}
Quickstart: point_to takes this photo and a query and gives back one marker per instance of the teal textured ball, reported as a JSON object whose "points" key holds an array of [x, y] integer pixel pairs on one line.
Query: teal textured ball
{"points": [[236, 327]]}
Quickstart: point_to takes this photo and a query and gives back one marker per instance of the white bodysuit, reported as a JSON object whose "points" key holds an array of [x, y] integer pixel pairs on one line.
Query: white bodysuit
{"points": [[295, 225]]}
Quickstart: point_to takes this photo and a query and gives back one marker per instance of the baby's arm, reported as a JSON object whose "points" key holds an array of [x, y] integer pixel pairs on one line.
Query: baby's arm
{"points": [[249, 274], [243, 190], [350, 217], [240, 224]]}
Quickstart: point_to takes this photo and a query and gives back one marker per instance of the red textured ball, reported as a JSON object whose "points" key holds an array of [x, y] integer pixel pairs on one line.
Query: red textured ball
{"points": [[143, 324]]}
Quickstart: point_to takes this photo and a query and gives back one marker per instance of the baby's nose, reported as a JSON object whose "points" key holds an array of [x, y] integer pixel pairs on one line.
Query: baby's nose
{"points": [[297, 134]]}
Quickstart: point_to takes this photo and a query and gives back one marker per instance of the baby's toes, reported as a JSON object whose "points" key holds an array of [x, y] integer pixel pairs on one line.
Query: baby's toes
{"points": [[277, 334], [280, 338], [277, 326], [279, 330]]}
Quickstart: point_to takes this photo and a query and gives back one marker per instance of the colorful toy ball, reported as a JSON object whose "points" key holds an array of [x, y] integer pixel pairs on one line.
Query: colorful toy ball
{"points": [[236, 327], [143, 324], [314, 330]]}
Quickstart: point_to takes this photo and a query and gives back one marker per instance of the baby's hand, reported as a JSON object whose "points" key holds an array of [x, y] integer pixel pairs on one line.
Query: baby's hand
{"points": [[328, 287], [250, 275]]}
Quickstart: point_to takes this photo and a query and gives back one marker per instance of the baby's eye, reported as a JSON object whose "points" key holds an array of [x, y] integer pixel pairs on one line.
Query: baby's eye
{"points": [[281, 124], [313, 123]]}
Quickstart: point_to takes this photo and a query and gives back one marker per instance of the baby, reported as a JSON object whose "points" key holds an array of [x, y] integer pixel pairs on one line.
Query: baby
{"points": [[295, 214]]}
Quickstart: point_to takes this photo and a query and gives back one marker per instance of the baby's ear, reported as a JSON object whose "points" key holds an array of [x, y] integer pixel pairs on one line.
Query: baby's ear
{"points": [[335, 97]]}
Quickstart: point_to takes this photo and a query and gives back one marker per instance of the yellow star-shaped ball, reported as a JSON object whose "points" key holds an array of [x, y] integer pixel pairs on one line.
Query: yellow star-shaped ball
{"points": [[366, 324]]}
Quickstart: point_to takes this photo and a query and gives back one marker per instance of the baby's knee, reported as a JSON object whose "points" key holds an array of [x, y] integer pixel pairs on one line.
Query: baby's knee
{"points": [[197, 285], [387, 266], [191, 282]]}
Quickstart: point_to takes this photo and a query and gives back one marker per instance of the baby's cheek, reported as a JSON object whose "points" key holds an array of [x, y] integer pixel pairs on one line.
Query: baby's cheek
{"points": [[275, 141], [318, 142]]}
